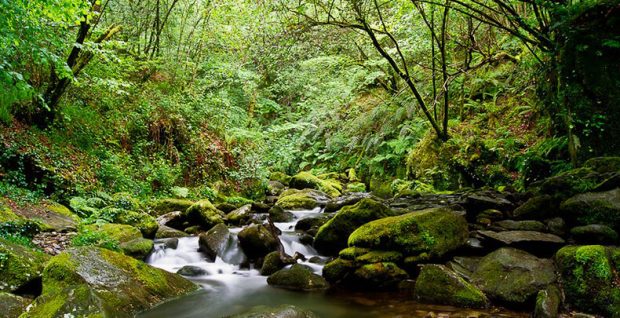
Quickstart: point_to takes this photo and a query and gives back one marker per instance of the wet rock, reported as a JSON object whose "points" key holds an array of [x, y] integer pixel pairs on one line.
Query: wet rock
{"points": [[164, 206], [297, 277], [311, 225], [280, 177], [351, 253], [571, 182], [455, 291], [603, 164], [191, 271], [129, 238], [306, 239], [168, 232], [526, 225], [282, 311], [589, 277], [306, 180], [214, 241], [535, 242], [338, 203], [318, 260], [594, 234], [272, 264], [548, 303], [307, 199], [19, 265], [464, 266], [194, 230], [333, 235], [203, 213], [384, 275], [11, 306], [174, 220], [421, 235], [511, 276], [226, 207], [379, 257], [278, 214], [171, 243], [338, 270], [488, 216], [556, 226], [260, 207], [139, 248], [240, 216], [274, 188], [257, 241], [538, 207], [594, 208], [477, 202], [89, 281]]}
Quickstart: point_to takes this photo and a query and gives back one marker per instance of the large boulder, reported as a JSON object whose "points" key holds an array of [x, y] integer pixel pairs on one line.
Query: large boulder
{"points": [[51, 216], [603, 164], [333, 235], [512, 276], [590, 276], [307, 199], [163, 206], [280, 177], [384, 275], [455, 291], [274, 188], [531, 241], [203, 213], [306, 180], [95, 282], [272, 263], [257, 241], [297, 277], [129, 238], [282, 311], [168, 232], [421, 235], [537, 207], [240, 215], [548, 303], [19, 266], [594, 234], [11, 306], [141, 220], [213, 242], [594, 208], [338, 203]]}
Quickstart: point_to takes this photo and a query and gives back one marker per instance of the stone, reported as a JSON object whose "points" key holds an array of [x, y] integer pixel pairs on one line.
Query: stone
{"points": [[537, 207], [12, 306], [338, 203], [282, 311], [278, 214], [385, 275], [594, 234], [311, 225], [556, 226], [280, 177], [421, 235], [548, 303], [333, 235], [257, 241], [603, 164], [437, 284], [164, 206], [306, 180], [142, 221], [129, 238], [240, 216], [535, 242], [275, 187], [272, 264], [19, 266], [379, 257], [338, 271], [203, 213], [213, 242], [593, 208], [513, 277], [174, 220], [95, 282], [589, 276], [139, 248], [168, 232], [297, 277], [526, 225], [191, 271], [306, 199]]}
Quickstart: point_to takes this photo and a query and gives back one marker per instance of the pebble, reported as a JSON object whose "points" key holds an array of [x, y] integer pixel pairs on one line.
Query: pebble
{"points": [[53, 243]]}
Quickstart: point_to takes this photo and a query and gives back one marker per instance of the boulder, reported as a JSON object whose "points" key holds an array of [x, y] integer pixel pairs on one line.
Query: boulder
{"points": [[168, 232], [531, 241], [144, 222], [556, 226], [594, 234], [240, 216], [280, 177], [139, 248], [282, 311], [338, 270], [90, 281], [603, 164], [537, 207], [548, 303], [19, 266], [569, 183], [513, 277], [454, 290], [129, 238], [164, 206], [589, 276], [422, 235], [297, 277], [333, 235], [257, 241], [275, 188], [338, 203], [306, 180], [191, 271], [203, 213], [174, 220], [351, 253], [526, 225], [11, 306], [593, 208], [476, 202], [213, 242], [311, 225], [306, 199], [385, 275], [278, 214], [272, 264], [379, 257]]}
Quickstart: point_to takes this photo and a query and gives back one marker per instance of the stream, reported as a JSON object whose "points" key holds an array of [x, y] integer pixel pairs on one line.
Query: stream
{"points": [[228, 289]]}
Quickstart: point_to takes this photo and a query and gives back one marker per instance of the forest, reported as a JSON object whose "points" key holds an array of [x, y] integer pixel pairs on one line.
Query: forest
{"points": [[309, 158]]}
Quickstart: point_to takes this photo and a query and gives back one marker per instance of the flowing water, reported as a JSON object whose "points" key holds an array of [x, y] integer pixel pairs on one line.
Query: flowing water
{"points": [[228, 289]]}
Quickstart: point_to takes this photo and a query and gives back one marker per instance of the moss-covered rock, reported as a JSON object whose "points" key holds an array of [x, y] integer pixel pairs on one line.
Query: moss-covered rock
{"points": [[380, 257], [356, 187], [11, 306], [594, 234], [257, 241], [271, 264], [571, 182], [139, 248], [94, 282], [19, 265], [6, 214], [537, 207], [593, 208], [437, 284], [278, 214], [282, 311], [306, 199], [425, 234], [332, 236], [512, 276], [203, 213], [275, 188], [603, 164], [280, 177], [548, 303], [378, 276], [240, 215], [213, 242], [306, 180], [163, 206], [590, 278], [311, 225], [526, 225], [338, 270], [129, 238], [298, 277], [141, 220], [168, 232], [351, 253]]}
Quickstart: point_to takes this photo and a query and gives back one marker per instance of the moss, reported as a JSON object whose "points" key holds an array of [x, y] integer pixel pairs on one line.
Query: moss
{"points": [[139, 248], [297, 200], [77, 301], [432, 231], [332, 236], [378, 275], [280, 177], [19, 265], [380, 256], [338, 270], [297, 277], [126, 201], [306, 180], [455, 290], [6, 214], [570, 183], [603, 164], [163, 206], [350, 253], [548, 302], [204, 213], [62, 210], [594, 208], [120, 232], [271, 264], [356, 187], [11, 306]]}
